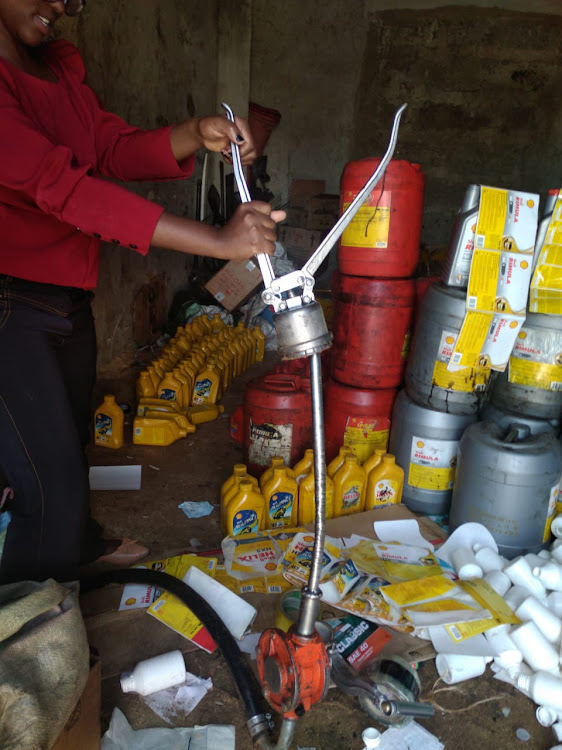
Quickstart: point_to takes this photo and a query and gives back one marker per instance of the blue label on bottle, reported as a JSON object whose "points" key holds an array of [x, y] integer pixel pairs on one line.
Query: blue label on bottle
{"points": [[280, 507], [104, 426], [168, 394], [201, 391], [245, 522]]}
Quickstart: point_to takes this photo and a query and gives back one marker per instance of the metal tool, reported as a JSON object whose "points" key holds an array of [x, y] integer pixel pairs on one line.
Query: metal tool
{"points": [[294, 667], [299, 319]]}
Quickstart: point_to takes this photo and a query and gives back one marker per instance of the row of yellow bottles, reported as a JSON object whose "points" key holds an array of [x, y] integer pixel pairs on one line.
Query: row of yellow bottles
{"points": [[193, 370], [286, 497]]}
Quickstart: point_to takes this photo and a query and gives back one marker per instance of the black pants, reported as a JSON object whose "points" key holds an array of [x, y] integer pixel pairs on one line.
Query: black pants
{"points": [[47, 372]]}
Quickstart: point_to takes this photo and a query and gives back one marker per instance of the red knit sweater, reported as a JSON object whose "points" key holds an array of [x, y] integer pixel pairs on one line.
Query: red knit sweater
{"points": [[56, 146]]}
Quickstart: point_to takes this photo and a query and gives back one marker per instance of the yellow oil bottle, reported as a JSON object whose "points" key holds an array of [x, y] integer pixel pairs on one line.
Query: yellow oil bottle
{"points": [[207, 388], [152, 431], [170, 388], [277, 462], [204, 413], [349, 487], [307, 499], [230, 488], [303, 467], [336, 462], [145, 386], [280, 493], [186, 385], [158, 404], [373, 460], [108, 423], [154, 377], [259, 337], [384, 484], [180, 419], [245, 511]]}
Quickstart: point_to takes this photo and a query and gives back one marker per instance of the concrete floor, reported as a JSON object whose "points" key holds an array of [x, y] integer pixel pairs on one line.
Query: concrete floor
{"points": [[194, 469]]}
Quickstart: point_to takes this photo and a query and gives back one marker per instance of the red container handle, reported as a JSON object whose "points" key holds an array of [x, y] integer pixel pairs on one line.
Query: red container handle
{"points": [[283, 382]]}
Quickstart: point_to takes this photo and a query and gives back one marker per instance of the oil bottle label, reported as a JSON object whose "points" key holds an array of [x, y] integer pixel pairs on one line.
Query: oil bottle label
{"points": [[536, 360], [432, 463], [245, 522], [104, 427], [553, 500], [386, 492], [280, 509], [370, 225], [465, 379], [351, 497], [365, 434], [268, 440], [202, 391], [168, 394]]}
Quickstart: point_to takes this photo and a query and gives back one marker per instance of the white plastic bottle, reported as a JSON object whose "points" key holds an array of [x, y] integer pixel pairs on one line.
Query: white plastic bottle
{"points": [[152, 675], [543, 687], [371, 737], [550, 575]]}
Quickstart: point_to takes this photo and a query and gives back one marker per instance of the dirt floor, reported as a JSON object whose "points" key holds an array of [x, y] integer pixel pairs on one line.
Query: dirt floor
{"points": [[481, 713]]}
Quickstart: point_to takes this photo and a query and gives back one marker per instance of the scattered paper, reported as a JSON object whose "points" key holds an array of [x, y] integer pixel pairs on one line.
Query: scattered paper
{"points": [[466, 536], [249, 644], [196, 510], [411, 735], [115, 477], [406, 530], [180, 699], [120, 736]]}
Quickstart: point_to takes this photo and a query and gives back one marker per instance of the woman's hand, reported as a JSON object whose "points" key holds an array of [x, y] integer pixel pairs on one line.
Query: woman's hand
{"points": [[251, 230], [218, 134], [215, 133]]}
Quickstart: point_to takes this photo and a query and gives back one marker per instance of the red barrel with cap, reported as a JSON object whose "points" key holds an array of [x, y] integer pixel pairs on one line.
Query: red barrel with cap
{"points": [[383, 239], [372, 327], [277, 420], [356, 417]]}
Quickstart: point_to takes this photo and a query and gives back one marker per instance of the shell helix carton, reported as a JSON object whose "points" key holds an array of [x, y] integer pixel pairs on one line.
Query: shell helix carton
{"points": [[500, 276]]}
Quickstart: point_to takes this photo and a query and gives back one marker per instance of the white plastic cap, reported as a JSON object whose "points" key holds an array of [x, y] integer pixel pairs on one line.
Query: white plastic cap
{"points": [[371, 737], [128, 682]]}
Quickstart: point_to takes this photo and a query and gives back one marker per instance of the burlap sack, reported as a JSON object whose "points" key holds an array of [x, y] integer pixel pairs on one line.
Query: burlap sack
{"points": [[44, 662]]}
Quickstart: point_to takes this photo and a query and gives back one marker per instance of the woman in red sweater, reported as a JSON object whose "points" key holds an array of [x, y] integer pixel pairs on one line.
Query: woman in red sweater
{"points": [[57, 144]]}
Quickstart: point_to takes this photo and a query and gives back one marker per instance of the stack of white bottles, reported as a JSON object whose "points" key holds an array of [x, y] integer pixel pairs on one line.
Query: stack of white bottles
{"points": [[529, 655]]}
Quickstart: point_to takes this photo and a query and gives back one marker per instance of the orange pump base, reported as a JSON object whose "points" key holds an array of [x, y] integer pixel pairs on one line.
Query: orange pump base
{"points": [[294, 670]]}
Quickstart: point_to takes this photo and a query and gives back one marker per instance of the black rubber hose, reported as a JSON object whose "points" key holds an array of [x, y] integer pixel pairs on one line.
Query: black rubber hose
{"points": [[246, 681]]}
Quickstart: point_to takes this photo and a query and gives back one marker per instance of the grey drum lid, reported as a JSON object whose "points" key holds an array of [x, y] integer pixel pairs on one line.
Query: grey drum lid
{"points": [[492, 413], [511, 449]]}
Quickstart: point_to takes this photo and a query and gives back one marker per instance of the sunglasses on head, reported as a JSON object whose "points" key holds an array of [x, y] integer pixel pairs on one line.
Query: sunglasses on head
{"points": [[72, 7]]}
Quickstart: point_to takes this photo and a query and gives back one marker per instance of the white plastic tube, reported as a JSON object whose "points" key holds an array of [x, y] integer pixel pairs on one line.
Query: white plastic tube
{"points": [[152, 675], [516, 595], [521, 574], [236, 613], [546, 716], [464, 562], [455, 668], [498, 580], [534, 560], [536, 650], [488, 559], [545, 689], [545, 620], [550, 575], [554, 602], [371, 738]]}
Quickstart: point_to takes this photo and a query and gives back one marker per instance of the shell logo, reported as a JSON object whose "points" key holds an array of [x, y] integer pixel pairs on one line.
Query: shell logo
{"points": [[450, 340], [473, 228], [420, 444], [270, 566], [530, 203], [308, 539], [513, 324], [522, 335], [130, 601], [524, 264]]}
